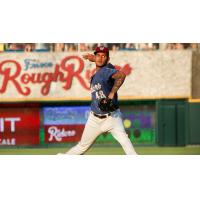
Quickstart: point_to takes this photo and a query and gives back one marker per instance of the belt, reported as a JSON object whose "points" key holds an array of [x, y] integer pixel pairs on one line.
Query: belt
{"points": [[101, 116]]}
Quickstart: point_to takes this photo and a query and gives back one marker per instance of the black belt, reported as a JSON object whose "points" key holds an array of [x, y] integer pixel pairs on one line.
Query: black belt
{"points": [[101, 116]]}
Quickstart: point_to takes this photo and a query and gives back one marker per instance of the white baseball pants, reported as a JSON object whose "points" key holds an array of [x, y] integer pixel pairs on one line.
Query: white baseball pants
{"points": [[96, 126]]}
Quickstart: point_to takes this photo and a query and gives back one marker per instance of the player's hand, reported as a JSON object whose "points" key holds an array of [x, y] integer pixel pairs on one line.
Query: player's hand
{"points": [[89, 57]]}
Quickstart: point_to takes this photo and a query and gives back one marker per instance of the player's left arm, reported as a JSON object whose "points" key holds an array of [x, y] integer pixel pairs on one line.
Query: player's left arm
{"points": [[119, 78]]}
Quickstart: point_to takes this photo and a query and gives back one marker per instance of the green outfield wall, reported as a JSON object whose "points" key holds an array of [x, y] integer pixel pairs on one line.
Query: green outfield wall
{"points": [[193, 128]]}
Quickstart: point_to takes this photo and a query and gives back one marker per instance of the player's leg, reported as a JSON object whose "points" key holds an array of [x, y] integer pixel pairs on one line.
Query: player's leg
{"points": [[120, 134], [90, 133]]}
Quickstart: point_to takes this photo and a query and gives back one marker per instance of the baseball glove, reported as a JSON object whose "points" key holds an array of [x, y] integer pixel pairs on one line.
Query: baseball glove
{"points": [[106, 105]]}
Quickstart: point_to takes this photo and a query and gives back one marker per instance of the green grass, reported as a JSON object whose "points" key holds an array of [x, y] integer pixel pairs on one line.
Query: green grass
{"points": [[105, 150]]}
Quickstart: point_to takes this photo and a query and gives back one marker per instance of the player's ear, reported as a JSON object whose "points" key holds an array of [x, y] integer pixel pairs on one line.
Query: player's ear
{"points": [[108, 59]]}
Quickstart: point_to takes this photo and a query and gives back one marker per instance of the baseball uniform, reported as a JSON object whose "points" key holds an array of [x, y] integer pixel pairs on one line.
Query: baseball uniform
{"points": [[100, 121]]}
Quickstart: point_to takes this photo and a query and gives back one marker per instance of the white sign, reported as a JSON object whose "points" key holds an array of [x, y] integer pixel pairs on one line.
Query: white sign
{"points": [[66, 76]]}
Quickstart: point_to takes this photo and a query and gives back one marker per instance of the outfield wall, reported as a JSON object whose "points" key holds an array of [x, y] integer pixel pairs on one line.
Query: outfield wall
{"points": [[154, 97], [164, 122], [41, 125], [193, 128], [66, 76]]}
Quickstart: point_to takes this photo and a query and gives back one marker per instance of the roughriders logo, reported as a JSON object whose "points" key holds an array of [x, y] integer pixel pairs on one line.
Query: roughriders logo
{"points": [[65, 72], [12, 73], [58, 134]]}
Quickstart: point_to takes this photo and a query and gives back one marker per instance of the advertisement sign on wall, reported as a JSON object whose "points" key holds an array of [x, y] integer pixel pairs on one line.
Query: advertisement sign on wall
{"points": [[64, 124], [39, 76], [139, 123], [19, 126]]}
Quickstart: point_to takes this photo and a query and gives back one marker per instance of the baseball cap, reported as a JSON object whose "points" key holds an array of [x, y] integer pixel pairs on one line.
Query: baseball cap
{"points": [[101, 49]]}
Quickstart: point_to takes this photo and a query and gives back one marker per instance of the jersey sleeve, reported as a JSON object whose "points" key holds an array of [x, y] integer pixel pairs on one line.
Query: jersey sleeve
{"points": [[108, 72]]}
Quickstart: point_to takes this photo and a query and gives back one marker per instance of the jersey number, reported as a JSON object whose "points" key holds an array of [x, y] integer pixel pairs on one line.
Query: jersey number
{"points": [[100, 95]]}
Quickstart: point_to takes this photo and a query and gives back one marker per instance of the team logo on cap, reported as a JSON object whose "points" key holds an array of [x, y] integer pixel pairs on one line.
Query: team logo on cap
{"points": [[101, 48]]}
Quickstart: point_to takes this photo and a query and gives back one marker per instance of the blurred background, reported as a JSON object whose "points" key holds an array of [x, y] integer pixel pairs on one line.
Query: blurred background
{"points": [[45, 97], [71, 47]]}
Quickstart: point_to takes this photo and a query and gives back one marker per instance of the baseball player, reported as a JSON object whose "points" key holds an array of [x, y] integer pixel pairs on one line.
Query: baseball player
{"points": [[105, 115]]}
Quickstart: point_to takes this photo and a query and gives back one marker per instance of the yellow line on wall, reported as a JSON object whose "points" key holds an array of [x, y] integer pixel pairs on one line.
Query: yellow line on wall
{"points": [[88, 99], [194, 100]]}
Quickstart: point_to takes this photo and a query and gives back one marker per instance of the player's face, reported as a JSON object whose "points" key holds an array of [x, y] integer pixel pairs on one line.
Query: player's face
{"points": [[101, 59]]}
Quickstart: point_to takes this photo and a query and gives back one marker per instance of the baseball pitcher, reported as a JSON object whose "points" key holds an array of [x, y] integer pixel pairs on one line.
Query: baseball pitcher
{"points": [[105, 115]]}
